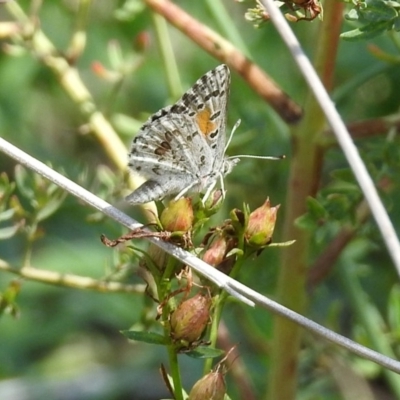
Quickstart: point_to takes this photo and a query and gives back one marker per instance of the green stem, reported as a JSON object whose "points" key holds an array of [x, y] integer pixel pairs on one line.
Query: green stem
{"points": [[220, 301], [226, 25], [168, 56], [78, 39], [175, 373], [164, 288], [303, 182]]}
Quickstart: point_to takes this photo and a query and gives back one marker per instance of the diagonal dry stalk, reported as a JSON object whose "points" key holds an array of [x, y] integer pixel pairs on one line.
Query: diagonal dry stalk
{"points": [[223, 50]]}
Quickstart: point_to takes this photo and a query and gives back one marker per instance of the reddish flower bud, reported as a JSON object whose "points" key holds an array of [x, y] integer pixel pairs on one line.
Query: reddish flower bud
{"points": [[215, 254], [98, 68], [190, 319], [210, 387], [102, 72], [142, 41], [261, 225], [178, 215]]}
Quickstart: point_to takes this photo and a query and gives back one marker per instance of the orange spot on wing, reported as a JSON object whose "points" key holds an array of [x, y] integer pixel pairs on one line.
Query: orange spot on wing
{"points": [[203, 121]]}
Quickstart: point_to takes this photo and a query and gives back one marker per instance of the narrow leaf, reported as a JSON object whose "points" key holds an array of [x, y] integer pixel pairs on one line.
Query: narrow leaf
{"points": [[147, 337]]}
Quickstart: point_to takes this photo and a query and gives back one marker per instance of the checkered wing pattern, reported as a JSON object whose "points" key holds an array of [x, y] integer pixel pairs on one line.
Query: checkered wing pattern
{"points": [[180, 148]]}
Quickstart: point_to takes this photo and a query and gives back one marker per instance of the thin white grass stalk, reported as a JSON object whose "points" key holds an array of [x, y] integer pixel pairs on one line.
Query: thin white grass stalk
{"points": [[315, 328], [338, 127], [233, 287], [215, 276]]}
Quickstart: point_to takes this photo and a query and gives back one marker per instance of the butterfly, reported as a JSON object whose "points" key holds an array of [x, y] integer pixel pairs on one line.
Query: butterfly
{"points": [[181, 148]]}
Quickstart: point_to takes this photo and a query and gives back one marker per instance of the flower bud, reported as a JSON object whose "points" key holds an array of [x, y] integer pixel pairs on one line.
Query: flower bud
{"points": [[261, 225], [102, 72], [214, 201], [210, 387], [215, 254], [142, 41], [190, 319], [178, 215]]}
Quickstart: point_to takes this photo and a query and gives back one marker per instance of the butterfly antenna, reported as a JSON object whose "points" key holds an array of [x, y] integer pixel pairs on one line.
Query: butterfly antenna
{"points": [[232, 132], [238, 122], [260, 157]]}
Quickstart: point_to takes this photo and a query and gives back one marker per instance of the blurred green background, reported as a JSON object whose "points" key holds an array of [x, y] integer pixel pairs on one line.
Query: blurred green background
{"points": [[65, 343]]}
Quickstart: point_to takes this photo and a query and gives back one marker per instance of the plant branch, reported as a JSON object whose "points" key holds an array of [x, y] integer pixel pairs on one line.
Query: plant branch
{"points": [[69, 280], [305, 170], [226, 52], [363, 129]]}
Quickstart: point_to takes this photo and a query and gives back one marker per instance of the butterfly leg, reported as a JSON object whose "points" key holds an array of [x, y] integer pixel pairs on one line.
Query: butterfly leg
{"points": [[185, 190], [209, 190]]}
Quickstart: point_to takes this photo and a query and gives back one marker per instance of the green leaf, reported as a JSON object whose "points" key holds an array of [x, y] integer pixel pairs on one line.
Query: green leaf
{"points": [[147, 337], [282, 244], [6, 188], [315, 208], [130, 10], [377, 11], [366, 32], [234, 251], [352, 15], [51, 206], [10, 231], [6, 215], [344, 174], [396, 24], [306, 222], [205, 352], [23, 181], [338, 206]]}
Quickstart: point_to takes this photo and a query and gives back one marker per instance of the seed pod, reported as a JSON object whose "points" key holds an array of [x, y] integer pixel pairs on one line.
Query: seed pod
{"points": [[215, 254], [190, 319], [210, 387], [178, 215]]}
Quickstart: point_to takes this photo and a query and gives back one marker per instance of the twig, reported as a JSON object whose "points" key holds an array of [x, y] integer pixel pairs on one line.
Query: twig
{"points": [[69, 280], [226, 52], [363, 129]]}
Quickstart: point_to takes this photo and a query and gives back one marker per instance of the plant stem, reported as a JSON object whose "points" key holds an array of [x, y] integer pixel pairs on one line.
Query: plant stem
{"points": [[164, 289], [226, 25], [168, 56], [175, 373], [220, 301], [69, 280], [303, 182]]}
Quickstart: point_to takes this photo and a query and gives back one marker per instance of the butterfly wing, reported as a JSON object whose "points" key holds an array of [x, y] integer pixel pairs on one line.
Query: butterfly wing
{"points": [[206, 103], [182, 146], [161, 153]]}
